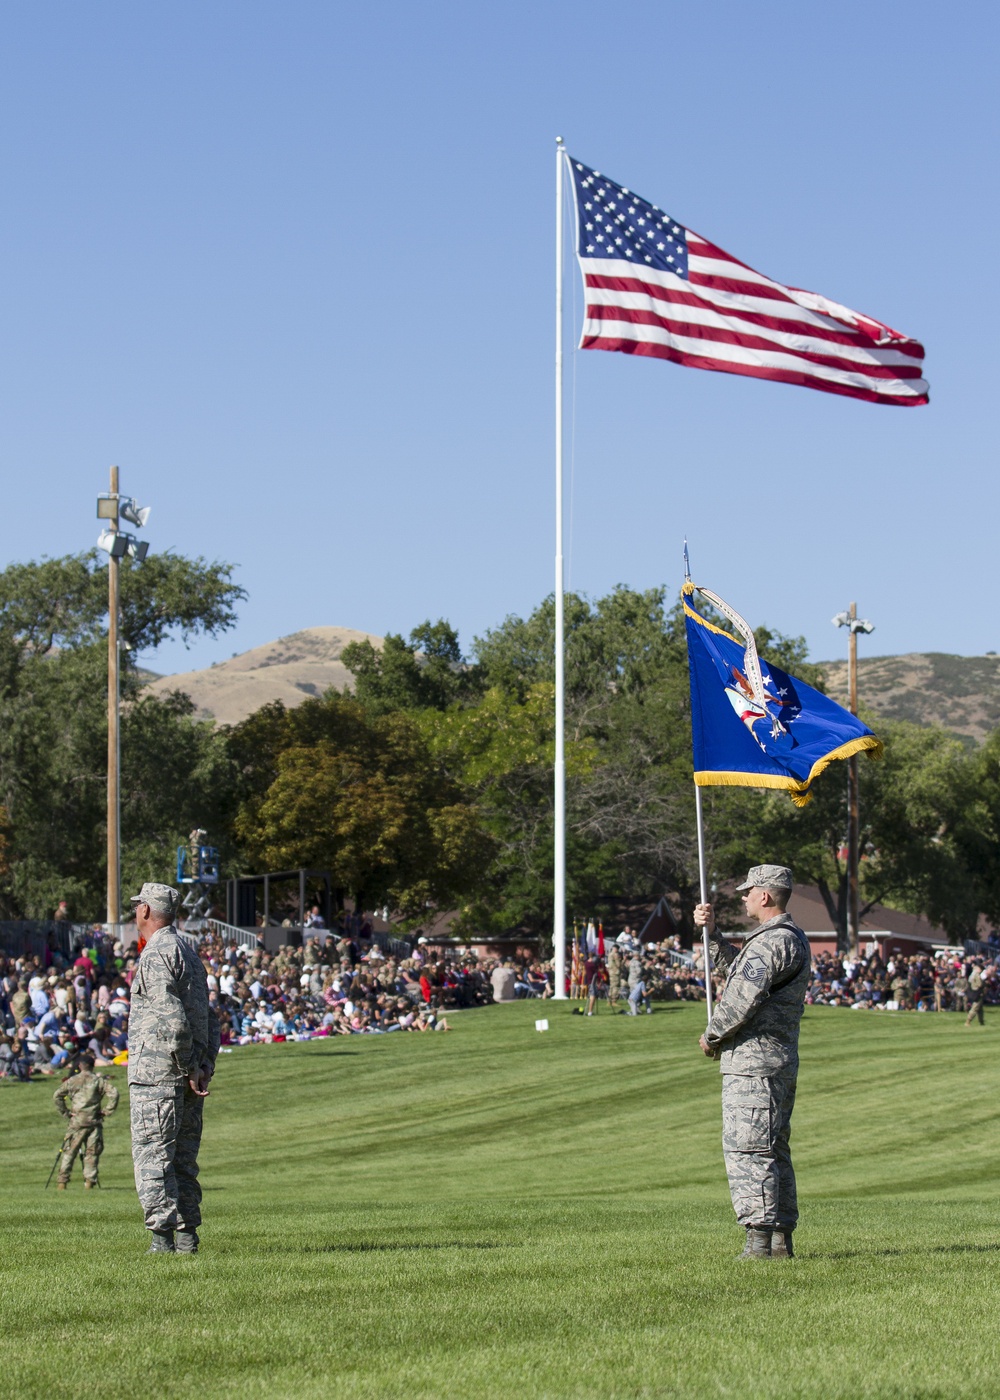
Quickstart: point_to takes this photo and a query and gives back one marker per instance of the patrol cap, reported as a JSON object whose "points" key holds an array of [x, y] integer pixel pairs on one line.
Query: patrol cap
{"points": [[163, 899], [775, 877]]}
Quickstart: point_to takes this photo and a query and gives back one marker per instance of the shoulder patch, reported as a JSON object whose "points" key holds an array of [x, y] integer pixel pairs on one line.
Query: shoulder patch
{"points": [[754, 969]]}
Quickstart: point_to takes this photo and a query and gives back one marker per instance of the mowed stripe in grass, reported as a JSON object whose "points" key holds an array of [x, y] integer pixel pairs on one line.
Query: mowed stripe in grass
{"points": [[499, 1212]]}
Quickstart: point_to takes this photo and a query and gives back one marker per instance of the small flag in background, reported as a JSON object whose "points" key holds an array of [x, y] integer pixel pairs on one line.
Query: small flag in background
{"points": [[654, 287], [752, 724]]}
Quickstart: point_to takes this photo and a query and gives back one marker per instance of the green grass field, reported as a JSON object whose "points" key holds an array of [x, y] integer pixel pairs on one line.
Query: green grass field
{"points": [[498, 1213]]}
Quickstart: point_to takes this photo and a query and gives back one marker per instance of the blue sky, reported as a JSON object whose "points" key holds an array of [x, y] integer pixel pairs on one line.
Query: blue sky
{"points": [[291, 267]]}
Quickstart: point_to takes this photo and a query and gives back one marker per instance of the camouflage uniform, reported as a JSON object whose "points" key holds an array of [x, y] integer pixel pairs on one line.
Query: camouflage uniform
{"points": [[976, 996], [20, 1004], [90, 1098], [173, 1035], [614, 976], [636, 983], [755, 1032]]}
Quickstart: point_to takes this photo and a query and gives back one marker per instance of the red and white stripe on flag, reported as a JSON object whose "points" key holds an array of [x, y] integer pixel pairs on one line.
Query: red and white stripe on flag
{"points": [[708, 310]]}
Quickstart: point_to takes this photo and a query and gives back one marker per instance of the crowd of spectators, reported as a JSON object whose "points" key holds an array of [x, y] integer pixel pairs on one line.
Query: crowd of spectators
{"points": [[924, 982], [53, 1008]]}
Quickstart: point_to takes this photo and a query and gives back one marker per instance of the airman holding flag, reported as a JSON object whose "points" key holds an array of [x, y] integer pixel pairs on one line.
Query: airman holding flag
{"points": [[754, 1032], [753, 725]]}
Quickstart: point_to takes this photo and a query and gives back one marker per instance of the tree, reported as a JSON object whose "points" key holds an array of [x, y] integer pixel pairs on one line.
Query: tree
{"points": [[930, 814], [914, 805], [501, 752], [428, 672], [630, 801], [628, 793], [334, 786], [53, 722], [977, 832], [622, 644]]}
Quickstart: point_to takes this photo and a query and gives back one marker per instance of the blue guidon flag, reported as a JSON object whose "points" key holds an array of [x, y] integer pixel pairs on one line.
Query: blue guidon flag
{"points": [[654, 287], [753, 725]]}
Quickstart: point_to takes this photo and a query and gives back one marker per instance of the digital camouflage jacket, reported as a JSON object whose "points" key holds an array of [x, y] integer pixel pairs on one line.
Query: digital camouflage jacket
{"points": [[172, 1030], [755, 1024], [86, 1098]]}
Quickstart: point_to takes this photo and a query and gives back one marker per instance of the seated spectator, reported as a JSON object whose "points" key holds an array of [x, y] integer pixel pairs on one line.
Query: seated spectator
{"points": [[63, 1050], [429, 1020], [100, 1046], [14, 1061], [503, 982], [538, 983]]}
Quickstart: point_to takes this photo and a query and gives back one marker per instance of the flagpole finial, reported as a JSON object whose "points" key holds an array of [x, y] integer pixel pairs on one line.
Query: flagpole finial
{"points": [[560, 141], [687, 562]]}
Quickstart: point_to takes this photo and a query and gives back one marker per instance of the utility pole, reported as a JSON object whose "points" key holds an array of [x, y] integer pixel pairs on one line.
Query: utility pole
{"points": [[116, 543], [854, 625], [114, 751], [853, 804]]}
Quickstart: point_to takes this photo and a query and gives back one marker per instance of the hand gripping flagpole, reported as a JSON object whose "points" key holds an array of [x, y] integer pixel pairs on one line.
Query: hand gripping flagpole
{"points": [[702, 871], [559, 795]]}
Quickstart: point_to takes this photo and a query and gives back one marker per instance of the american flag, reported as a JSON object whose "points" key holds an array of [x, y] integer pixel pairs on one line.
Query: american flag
{"points": [[654, 287]]}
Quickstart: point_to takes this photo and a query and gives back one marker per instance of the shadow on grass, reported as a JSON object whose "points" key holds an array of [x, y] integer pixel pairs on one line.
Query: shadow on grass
{"points": [[916, 1249], [377, 1247], [597, 1015]]}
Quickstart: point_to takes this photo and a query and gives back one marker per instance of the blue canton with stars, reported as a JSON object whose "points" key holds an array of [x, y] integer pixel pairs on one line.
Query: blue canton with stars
{"points": [[614, 223]]}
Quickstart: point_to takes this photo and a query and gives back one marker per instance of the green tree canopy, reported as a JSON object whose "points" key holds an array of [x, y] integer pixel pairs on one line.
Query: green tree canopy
{"points": [[428, 672], [363, 795], [53, 724]]}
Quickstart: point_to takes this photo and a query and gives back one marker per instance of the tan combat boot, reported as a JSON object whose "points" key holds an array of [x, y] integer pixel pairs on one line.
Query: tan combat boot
{"points": [[89, 1185], [781, 1244], [61, 1186], [758, 1245]]}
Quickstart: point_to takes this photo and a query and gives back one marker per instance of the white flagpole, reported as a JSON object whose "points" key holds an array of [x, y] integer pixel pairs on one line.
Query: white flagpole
{"points": [[702, 871], [703, 882], [559, 796]]}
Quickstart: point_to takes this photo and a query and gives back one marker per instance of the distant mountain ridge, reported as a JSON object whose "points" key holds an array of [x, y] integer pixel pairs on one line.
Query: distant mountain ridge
{"points": [[292, 669], [961, 693]]}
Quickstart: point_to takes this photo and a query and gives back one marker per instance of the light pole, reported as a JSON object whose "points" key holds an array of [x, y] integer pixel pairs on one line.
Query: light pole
{"points": [[116, 544], [855, 625]]}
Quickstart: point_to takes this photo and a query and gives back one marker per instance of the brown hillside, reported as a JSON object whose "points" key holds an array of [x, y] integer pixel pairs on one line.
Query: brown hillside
{"points": [[962, 693], [292, 669]]}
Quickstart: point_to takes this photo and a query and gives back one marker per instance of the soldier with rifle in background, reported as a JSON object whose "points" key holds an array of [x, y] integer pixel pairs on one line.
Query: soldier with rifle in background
{"points": [[86, 1099]]}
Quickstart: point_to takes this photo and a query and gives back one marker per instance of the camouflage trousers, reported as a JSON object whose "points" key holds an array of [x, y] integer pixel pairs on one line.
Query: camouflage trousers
{"points": [[87, 1140], [166, 1135], [756, 1123]]}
